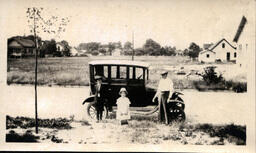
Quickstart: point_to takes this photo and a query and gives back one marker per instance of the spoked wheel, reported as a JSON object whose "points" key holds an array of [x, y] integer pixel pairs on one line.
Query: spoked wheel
{"points": [[177, 115], [92, 113]]}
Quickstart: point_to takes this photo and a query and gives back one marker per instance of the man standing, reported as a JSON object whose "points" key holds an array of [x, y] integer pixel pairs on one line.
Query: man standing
{"points": [[99, 97], [164, 92]]}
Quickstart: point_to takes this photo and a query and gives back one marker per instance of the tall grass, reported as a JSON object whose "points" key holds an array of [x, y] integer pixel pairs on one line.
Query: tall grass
{"points": [[74, 71]]}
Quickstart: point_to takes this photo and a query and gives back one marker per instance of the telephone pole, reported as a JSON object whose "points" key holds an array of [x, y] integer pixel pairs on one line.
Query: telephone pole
{"points": [[132, 45]]}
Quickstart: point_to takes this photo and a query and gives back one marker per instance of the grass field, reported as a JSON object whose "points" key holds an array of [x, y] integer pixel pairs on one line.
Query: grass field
{"points": [[73, 71]]}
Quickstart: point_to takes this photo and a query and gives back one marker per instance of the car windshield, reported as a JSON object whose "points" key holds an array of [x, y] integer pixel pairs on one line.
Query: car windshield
{"points": [[120, 72]]}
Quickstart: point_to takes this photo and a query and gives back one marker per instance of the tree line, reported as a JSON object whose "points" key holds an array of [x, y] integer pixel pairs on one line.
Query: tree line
{"points": [[151, 48]]}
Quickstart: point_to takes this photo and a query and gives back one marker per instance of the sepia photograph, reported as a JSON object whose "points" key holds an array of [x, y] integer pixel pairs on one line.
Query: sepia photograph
{"points": [[168, 74]]}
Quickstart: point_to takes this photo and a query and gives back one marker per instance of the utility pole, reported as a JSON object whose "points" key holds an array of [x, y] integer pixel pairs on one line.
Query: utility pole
{"points": [[35, 40], [132, 45]]}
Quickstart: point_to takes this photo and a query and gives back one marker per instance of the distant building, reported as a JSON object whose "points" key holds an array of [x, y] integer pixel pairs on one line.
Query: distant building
{"points": [[60, 48], [21, 47], [74, 51], [179, 53], [221, 51], [207, 46]]}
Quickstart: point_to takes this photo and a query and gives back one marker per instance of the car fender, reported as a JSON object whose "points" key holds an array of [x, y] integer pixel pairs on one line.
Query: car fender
{"points": [[89, 99]]}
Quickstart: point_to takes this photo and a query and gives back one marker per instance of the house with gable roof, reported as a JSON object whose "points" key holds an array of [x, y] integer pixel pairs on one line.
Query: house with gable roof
{"points": [[20, 47], [220, 51]]}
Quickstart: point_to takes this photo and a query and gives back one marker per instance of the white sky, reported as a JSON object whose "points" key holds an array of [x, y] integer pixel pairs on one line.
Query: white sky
{"points": [[169, 22]]}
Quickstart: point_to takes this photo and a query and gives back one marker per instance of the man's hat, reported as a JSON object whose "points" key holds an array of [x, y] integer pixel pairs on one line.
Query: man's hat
{"points": [[164, 72], [98, 77], [123, 90]]}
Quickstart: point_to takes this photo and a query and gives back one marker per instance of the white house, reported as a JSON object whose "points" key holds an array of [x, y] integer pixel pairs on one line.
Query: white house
{"points": [[60, 47], [207, 56], [222, 51], [246, 43]]}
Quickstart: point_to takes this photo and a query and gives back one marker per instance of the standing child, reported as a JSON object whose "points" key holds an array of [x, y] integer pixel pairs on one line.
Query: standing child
{"points": [[123, 103]]}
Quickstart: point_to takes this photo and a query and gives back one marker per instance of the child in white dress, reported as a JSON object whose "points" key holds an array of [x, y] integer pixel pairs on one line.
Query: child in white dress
{"points": [[123, 103]]}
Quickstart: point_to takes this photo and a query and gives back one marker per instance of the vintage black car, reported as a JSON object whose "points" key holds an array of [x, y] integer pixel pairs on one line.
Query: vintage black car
{"points": [[132, 75]]}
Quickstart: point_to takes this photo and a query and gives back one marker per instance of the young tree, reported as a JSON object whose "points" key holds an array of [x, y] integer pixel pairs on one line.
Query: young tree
{"points": [[38, 24]]}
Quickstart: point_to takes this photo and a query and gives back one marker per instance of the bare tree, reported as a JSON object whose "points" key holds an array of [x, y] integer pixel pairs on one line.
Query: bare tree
{"points": [[37, 24]]}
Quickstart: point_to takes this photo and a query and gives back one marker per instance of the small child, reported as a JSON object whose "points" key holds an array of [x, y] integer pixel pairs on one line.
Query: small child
{"points": [[123, 113]]}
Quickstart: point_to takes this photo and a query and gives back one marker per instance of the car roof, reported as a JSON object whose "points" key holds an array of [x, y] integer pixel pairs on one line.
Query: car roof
{"points": [[120, 62]]}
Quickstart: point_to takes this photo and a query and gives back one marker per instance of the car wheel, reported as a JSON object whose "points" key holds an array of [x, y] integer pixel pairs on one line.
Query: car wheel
{"points": [[92, 113]]}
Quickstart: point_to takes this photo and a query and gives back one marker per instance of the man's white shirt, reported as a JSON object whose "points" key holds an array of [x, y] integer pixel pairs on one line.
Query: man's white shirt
{"points": [[165, 85]]}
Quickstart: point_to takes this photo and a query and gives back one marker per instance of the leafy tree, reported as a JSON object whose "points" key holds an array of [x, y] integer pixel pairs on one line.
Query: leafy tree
{"points": [[103, 51], [128, 48], [89, 47], [66, 48], [49, 47], [151, 47], [185, 52], [194, 50], [111, 47], [168, 51], [118, 45], [139, 51]]}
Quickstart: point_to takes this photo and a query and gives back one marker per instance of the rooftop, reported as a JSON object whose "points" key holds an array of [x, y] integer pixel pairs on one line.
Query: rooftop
{"points": [[24, 42], [120, 62], [211, 48]]}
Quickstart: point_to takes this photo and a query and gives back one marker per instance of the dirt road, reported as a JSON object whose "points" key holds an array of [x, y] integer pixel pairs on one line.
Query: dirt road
{"points": [[221, 109], [201, 107]]}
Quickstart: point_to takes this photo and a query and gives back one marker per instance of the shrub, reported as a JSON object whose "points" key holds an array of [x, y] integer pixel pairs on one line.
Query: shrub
{"points": [[12, 136], [210, 76], [25, 122], [240, 87]]}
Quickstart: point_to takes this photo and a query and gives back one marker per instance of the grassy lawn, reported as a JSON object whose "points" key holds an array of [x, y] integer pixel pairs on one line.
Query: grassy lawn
{"points": [[73, 71]]}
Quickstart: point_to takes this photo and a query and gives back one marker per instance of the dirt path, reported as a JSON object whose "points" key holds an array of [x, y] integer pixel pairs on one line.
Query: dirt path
{"points": [[54, 102]]}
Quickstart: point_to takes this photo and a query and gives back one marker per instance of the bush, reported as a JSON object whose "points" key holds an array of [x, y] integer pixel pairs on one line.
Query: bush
{"points": [[95, 53], [12, 136], [236, 86], [210, 76], [25, 122], [233, 133]]}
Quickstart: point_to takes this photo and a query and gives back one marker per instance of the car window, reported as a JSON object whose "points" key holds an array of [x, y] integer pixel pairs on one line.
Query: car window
{"points": [[98, 70], [123, 72], [131, 73], [106, 71], [139, 73], [113, 72]]}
